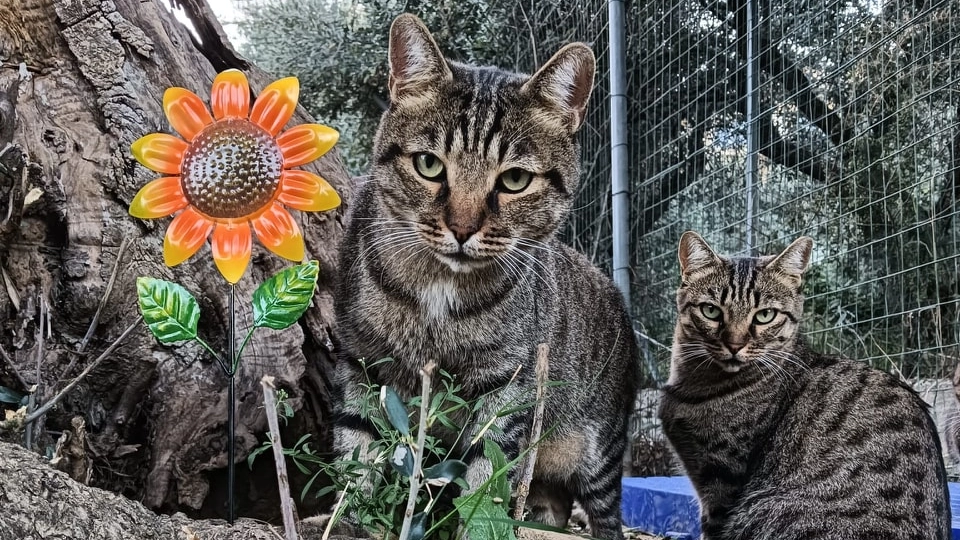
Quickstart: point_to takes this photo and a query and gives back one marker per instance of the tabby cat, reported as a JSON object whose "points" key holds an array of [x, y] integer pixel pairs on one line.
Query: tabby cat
{"points": [[450, 255], [782, 442]]}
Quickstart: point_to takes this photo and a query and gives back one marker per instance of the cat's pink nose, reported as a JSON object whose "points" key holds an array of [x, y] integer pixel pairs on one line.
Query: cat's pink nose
{"points": [[462, 232]]}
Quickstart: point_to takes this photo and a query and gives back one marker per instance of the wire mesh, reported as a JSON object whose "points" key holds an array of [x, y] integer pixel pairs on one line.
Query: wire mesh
{"points": [[858, 132], [542, 28], [859, 147]]}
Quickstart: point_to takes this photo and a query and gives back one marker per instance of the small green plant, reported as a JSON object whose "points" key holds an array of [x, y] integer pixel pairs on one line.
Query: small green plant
{"points": [[395, 470]]}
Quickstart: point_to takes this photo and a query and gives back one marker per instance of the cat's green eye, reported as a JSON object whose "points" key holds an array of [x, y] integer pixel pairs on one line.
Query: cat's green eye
{"points": [[514, 180], [429, 166], [711, 312], [764, 316]]}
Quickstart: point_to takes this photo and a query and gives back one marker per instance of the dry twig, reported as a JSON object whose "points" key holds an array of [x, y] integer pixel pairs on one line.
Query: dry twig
{"points": [[66, 389], [13, 368], [283, 481], [426, 375], [526, 473]]}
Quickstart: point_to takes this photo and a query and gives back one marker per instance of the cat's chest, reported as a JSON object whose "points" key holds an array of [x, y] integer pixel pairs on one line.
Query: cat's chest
{"points": [[436, 321], [438, 301], [735, 420]]}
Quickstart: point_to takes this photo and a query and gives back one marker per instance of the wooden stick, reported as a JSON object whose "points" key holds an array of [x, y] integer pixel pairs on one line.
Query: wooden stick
{"points": [[426, 375], [96, 316], [283, 481], [526, 475], [30, 429]]}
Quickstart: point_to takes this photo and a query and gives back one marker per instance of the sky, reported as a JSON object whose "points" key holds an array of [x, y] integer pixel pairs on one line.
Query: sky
{"points": [[226, 13]]}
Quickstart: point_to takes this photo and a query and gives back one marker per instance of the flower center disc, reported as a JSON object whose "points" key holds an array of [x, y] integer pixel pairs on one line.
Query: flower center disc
{"points": [[231, 169]]}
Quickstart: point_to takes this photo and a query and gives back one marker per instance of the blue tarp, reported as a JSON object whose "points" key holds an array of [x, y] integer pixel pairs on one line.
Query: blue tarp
{"points": [[667, 506]]}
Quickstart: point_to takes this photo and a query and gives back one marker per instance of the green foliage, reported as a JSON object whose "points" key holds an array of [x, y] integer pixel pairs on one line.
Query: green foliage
{"points": [[384, 469], [282, 299], [170, 311], [486, 510], [338, 50]]}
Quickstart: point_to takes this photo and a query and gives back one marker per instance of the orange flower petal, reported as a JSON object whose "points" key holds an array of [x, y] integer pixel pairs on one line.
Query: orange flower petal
{"points": [[231, 244], [186, 112], [159, 198], [275, 105], [230, 95], [159, 152], [279, 233], [187, 232], [305, 143], [306, 191]]}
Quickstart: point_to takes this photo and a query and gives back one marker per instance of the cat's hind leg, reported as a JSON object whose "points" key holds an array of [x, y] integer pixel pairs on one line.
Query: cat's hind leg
{"points": [[597, 484], [549, 503]]}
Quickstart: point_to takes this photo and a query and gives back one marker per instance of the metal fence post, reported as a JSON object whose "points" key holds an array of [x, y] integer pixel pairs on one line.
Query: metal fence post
{"points": [[619, 156], [752, 166]]}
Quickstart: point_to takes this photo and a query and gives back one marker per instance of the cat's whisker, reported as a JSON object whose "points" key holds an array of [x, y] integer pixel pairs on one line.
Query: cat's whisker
{"points": [[777, 369], [386, 240], [534, 267], [529, 242], [396, 242], [510, 269], [786, 356]]}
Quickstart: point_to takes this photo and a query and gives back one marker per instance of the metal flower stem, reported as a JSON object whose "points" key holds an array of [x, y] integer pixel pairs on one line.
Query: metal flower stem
{"points": [[231, 402]]}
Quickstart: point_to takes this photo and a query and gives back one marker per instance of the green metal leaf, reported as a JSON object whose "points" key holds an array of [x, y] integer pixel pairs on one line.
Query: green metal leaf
{"points": [[279, 301], [445, 472], [402, 460], [396, 411], [170, 311]]}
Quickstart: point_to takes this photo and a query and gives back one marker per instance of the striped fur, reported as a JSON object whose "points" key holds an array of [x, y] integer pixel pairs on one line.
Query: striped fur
{"points": [[479, 305], [781, 442]]}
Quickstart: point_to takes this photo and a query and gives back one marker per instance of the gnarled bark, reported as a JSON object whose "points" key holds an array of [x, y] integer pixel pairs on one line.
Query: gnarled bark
{"points": [[79, 81]]}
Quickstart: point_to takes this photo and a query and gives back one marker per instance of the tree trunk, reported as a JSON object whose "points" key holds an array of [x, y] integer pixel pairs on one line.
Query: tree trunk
{"points": [[80, 80], [39, 500]]}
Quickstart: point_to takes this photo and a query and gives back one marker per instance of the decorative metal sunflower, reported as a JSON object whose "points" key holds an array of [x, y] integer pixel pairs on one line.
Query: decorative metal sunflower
{"points": [[232, 172]]}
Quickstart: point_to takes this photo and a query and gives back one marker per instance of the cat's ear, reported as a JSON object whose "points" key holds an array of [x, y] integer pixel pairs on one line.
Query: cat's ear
{"points": [[694, 253], [415, 60], [794, 260], [565, 83]]}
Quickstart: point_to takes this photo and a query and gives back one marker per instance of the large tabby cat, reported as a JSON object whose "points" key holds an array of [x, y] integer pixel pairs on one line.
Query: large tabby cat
{"points": [[450, 256], [779, 441]]}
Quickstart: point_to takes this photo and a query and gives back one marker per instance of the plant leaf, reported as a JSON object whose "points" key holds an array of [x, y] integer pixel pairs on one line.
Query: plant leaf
{"points": [[266, 445], [483, 518], [445, 472], [499, 484], [170, 311], [279, 301], [402, 460], [416, 526], [396, 411], [8, 395]]}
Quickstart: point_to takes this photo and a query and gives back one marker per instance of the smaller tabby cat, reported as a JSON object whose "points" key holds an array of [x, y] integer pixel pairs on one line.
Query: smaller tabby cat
{"points": [[779, 441]]}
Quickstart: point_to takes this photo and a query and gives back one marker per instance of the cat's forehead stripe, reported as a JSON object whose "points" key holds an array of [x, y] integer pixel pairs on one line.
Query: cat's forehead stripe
{"points": [[743, 278]]}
